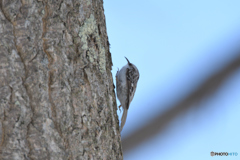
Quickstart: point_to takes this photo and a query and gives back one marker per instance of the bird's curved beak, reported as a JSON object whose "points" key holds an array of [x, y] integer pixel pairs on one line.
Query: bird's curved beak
{"points": [[127, 60]]}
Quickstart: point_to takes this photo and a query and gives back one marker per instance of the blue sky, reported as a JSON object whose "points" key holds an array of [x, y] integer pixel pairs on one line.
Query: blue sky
{"points": [[176, 45]]}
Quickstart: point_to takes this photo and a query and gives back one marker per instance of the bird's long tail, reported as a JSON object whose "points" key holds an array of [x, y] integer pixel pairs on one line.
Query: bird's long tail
{"points": [[123, 119]]}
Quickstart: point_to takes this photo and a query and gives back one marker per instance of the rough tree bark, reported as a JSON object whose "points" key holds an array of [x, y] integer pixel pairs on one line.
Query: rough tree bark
{"points": [[57, 97]]}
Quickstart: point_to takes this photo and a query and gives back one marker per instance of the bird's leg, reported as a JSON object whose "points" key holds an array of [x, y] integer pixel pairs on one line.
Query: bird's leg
{"points": [[116, 78], [119, 107]]}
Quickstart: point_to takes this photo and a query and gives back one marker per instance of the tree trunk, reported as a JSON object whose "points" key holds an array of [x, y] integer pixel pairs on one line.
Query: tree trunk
{"points": [[57, 97]]}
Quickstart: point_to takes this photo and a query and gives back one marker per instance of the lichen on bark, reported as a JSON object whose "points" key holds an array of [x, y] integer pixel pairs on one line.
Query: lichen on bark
{"points": [[90, 29]]}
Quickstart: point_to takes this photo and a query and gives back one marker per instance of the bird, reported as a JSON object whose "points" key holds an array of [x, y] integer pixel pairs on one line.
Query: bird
{"points": [[126, 82]]}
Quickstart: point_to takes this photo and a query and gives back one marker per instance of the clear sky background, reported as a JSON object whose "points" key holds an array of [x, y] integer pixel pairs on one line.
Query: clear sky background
{"points": [[176, 45]]}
